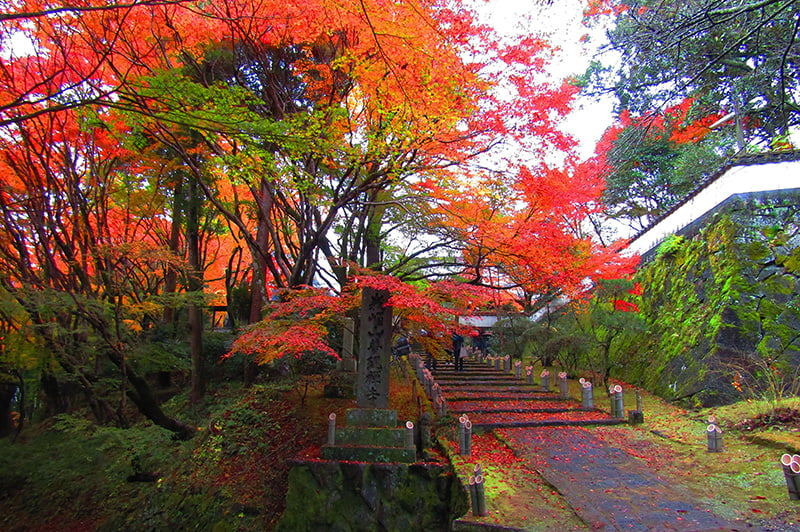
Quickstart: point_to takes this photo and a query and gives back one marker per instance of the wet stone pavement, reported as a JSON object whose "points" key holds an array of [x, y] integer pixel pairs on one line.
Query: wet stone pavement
{"points": [[609, 489]]}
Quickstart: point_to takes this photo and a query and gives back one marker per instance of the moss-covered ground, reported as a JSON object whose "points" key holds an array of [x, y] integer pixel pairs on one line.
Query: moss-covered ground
{"points": [[68, 474]]}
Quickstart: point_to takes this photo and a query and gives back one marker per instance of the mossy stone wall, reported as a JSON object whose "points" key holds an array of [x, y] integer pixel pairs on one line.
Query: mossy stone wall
{"points": [[719, 296], [358, 496]]}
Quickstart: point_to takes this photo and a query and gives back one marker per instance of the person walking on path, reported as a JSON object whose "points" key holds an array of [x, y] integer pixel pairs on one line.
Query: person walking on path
{"points": [[458, 343]]}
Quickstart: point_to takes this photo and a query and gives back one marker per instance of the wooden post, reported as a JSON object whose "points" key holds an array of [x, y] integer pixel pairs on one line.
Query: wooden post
{"points": [[791, 472], [332, 429], [410, 435], [467, 438], [587, 398], [480, 496], [473, 495], [563, 385], [424, 430], [619, 405], [714, 438], [545, 381], [462, 434]]}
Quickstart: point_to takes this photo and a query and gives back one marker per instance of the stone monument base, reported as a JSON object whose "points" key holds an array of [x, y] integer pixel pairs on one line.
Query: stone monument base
{"points": [[371, 435], [333, 495]]}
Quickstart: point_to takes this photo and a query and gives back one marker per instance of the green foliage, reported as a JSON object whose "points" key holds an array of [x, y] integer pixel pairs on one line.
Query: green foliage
{"points": [[736, 56], [611, 327], [57, 466], [652, 169], [515, 336], [669, 246], [79, 471]]}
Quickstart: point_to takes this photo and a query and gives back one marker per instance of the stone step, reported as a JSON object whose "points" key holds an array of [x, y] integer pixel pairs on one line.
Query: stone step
{"points": [[371, 417], [365, 453], [457, 409], [490, 425], [468, 375], [487, 385], [459, 377], [531, 395], [371, 436], [470, 370], [491, 388], [542, 404], [494, 420]]}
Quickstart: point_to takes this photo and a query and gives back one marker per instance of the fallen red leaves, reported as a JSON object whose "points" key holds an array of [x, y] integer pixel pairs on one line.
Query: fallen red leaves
{"points": [[506, 405], [544, 417], [487, 449]]}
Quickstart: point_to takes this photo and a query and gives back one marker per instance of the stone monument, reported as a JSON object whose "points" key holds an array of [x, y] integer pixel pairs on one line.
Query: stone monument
{"points": [[375, 344]]}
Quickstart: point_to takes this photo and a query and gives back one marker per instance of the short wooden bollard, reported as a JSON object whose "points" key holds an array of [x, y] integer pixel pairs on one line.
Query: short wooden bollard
{"points": [[497, 361], [428, 382], [410, 435], [462, 434], [424, 430], [714, 438], [636, 417], [332, 428], [529, 374], [612, 402], [473, 495], [587, 395], [791, 472], [507, 363], [441, 406], [563, 385], [618, 409], [467, 451], [477, 494], [545, 381], [518, 369], [437, 391]]}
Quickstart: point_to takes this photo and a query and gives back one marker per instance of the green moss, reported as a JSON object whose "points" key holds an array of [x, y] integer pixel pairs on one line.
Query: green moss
{"points": [[716, 295], [362, 496]]}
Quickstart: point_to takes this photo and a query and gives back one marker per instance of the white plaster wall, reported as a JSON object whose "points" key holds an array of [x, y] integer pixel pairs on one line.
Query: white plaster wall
{"points": [[754, 178]]}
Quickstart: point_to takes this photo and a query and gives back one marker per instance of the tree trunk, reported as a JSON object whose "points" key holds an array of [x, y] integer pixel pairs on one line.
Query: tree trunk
{"points": [[195, 288], [140, 393], [171, 277], [7, 391]]}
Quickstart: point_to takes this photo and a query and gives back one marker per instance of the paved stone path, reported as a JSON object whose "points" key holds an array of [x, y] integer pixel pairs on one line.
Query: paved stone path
{"points": [[607, 488]]}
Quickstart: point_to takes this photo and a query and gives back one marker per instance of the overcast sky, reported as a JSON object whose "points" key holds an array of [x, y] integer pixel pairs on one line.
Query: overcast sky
{"points": [[561, 24]]}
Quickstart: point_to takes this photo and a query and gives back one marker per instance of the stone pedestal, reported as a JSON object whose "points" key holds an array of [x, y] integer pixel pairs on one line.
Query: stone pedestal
{"points": [[370, 435], [635, 417]]}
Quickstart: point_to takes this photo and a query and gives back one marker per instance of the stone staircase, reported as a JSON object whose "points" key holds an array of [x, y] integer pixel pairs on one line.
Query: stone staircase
{"points": [[371, 435], [495, 398]]}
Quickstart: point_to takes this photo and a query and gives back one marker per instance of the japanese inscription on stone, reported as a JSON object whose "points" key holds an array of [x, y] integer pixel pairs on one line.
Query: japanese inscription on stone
{"points": [[374, 350]]}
